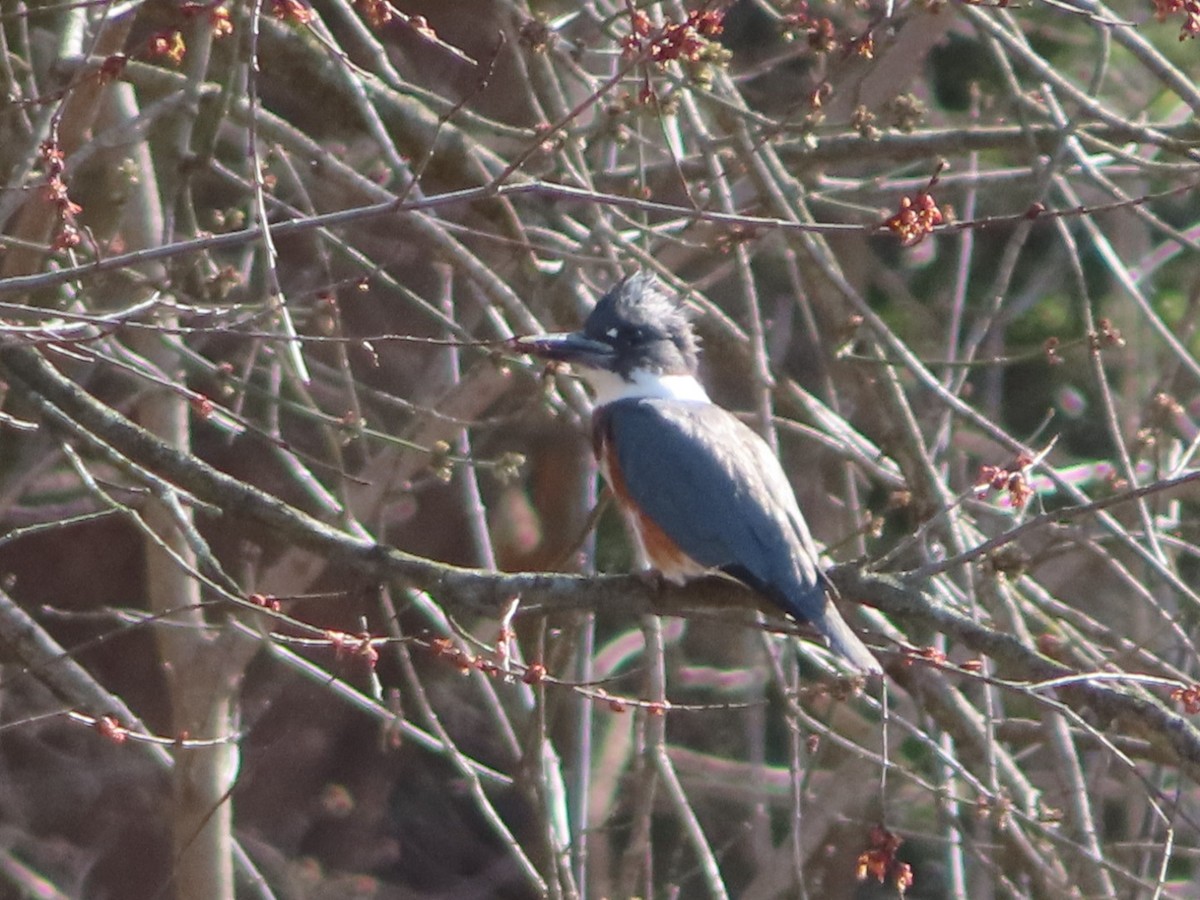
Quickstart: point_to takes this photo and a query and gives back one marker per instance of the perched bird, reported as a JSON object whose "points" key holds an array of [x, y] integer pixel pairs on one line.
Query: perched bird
{"points": [[701, 491]]}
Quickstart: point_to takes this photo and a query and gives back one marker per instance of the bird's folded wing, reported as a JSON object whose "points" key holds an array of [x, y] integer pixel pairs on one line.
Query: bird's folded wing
{"points": [[716, 489]]}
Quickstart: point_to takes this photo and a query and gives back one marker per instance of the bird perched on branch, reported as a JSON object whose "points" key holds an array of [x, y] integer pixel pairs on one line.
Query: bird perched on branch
{"points": [[701, 491]]}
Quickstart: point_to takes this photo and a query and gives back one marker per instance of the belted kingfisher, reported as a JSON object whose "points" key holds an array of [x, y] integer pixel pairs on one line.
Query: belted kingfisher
{"points": [[701, 491]]}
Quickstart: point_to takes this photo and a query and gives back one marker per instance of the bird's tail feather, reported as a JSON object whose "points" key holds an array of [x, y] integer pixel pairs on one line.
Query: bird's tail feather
{"points": [[846, 644]]}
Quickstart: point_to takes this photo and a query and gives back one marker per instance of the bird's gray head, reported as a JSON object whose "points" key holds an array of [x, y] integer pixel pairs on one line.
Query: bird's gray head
{"points": [[646, 329], [635, 329]]}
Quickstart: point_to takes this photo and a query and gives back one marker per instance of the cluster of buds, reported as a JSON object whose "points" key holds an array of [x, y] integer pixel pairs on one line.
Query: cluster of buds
{"points": [[350, 426], [291, 11], [819, 31], [905, 113], [997, 809], [360, 646], [111, 68], [446, 649], [1051, 350], [924, 654], [421, 26], [440, 462], [110, 729], [266, 601], [822, 34], [508, 466], [1012, 481], [201, 405], [167, 45], [377, 12], [734, 235], [862, 120], [536, 35], [879, 861], [1167, 414], [689, 40], [217, 13], [67, 234], [325, 313], [1189, 9], [916, 218], [1188, 697], [1106, 336], [550, 139], [863, 45]]}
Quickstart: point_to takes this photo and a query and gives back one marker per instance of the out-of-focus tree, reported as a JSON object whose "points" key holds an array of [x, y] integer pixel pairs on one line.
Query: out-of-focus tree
{"points": [[308, 587]]}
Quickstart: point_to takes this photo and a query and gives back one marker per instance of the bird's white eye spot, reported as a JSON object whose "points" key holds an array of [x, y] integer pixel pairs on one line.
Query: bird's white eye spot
{"points": [[611, 333]]}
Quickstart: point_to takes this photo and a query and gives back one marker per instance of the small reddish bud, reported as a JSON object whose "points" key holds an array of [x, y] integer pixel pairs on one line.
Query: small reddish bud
{"points": [[1019, 490], [926, 654], [202, 406], [265, 602], [67, 238], [112, 67], [1050, 645], [1188, 697], [291, 11], [688, 40], [222, 24], [379, 12], [916, 218], [421, 26], [367, 651], [863, 47], [168, 45], [880, 862], [1188, 9], [360, 646], [1107, 335], [1012, 481], [1051, 350], [111, 729], [902, 878]]}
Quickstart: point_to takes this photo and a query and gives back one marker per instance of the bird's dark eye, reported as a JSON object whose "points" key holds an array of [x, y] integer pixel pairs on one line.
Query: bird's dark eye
{"points": [[623, 336]]}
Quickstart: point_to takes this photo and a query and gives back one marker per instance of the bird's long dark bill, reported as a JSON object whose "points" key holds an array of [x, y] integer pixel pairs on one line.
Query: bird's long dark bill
{"points": [[572, 347]]}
